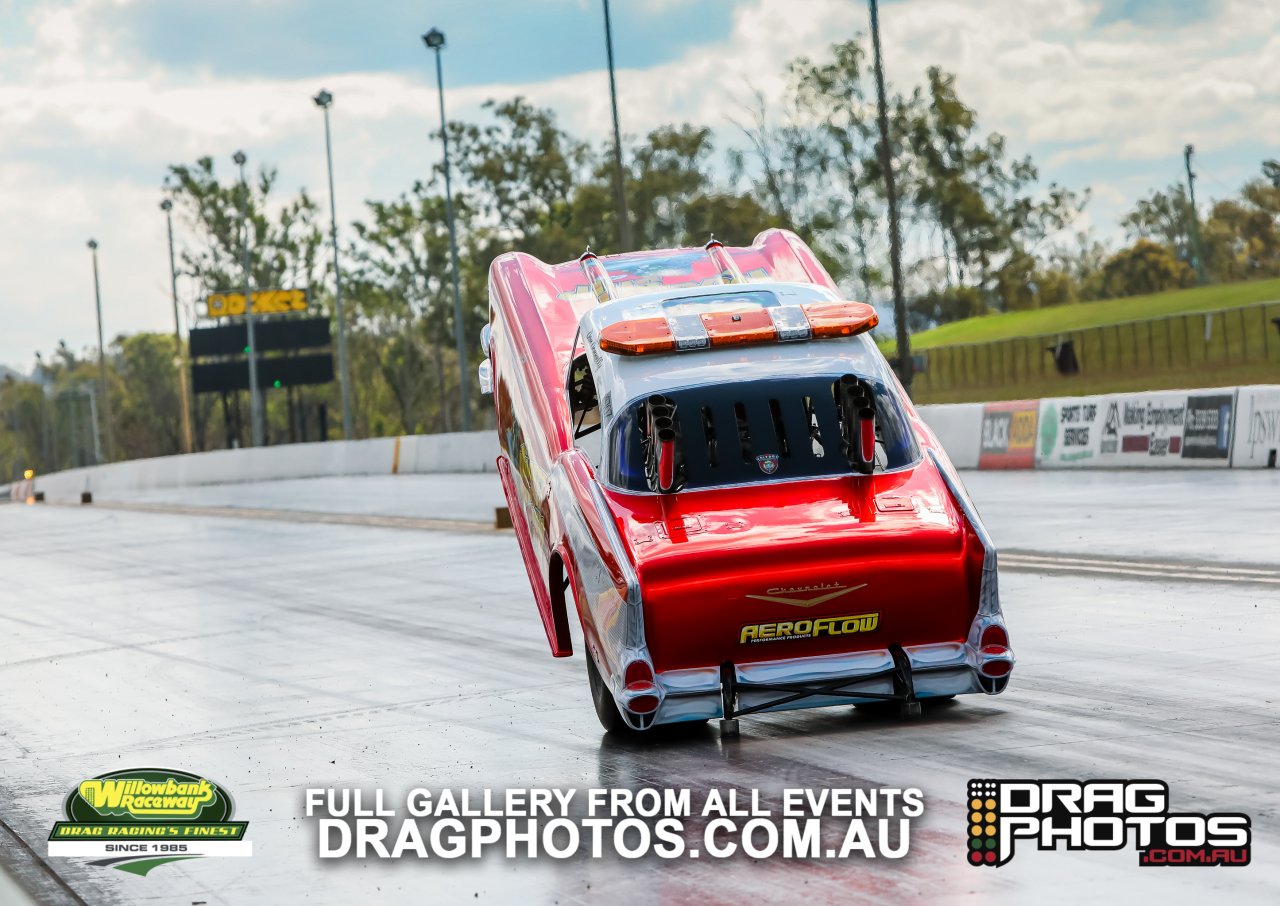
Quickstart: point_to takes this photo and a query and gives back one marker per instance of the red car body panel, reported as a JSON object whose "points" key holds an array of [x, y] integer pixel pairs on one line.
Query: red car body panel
{"points": [[897, 540]]}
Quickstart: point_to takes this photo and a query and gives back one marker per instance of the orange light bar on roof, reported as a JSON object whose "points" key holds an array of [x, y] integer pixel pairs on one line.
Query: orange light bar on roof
{"points": [[641, 337], [840, 319], [738, 328], [780, 324]]}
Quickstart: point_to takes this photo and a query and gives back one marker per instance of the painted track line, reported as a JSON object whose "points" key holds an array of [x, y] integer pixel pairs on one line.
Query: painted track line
{"points": [[1029, 561], [367, 520]]}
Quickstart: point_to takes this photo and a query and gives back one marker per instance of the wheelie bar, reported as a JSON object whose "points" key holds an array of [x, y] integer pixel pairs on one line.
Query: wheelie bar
{"points": [[903, 691]]}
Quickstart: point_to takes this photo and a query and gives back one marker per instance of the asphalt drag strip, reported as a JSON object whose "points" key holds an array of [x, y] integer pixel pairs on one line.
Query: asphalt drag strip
{"points": [[1036, 561], [274, 649]]}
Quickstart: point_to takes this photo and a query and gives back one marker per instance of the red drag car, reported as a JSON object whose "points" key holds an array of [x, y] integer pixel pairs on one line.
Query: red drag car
{"points": [[707, 458]]}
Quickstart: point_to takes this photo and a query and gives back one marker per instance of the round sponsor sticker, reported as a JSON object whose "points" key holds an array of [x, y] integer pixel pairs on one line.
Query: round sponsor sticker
{"points": [[768, 462]]}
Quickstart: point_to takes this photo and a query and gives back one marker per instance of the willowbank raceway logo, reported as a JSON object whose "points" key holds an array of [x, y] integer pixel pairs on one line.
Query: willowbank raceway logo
{"points": [[1099, 815], [138, 819]]}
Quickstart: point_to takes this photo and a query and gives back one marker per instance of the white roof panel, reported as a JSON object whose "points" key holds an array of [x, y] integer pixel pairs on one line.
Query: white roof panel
{"points": [[621, 379]]}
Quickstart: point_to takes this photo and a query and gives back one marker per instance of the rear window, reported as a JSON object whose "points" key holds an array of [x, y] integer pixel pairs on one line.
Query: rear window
{"points": [[747, 300], [773, 430]]}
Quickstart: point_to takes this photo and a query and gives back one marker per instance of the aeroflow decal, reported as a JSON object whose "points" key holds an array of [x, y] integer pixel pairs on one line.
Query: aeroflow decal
{"points": [[793, 630]]}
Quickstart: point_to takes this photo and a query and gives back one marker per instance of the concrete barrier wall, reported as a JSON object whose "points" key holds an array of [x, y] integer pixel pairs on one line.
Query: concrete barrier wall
{"points": [[958, 427], [470, 452], [475, 451], [1215, 427], [1203, 428], [1257, 429]]}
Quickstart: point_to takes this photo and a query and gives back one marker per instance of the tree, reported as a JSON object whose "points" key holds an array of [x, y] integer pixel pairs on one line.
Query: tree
{"points": [[147, 408], [974, 216], [284, 250], [733, 218], [1242, 235], [520, 173], [664, 173], [787, 172], [1165, 217], [401, 291], [833, 95], [1145, 267], [285, 241], [23, 414], [991, 218], [946, 303]]}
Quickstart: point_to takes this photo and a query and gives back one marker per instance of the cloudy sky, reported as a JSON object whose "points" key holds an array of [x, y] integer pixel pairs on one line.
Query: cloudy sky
{"points": [[98, 96]]}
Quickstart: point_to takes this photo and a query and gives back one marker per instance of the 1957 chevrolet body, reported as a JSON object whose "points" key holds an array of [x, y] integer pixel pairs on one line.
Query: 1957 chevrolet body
{"points": [[709, 461]]}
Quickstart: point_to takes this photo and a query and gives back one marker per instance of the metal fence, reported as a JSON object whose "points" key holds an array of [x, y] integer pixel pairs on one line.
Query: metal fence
{"points": [[1225, 337]]}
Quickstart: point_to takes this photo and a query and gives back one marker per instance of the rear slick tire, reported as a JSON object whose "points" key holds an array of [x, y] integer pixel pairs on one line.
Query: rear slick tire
{"points": [[602, 698]]}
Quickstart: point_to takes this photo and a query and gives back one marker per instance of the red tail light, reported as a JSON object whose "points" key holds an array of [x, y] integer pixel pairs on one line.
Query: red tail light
{"points": [[996, 668], [638, 675], [643, 704], [994, 637]]}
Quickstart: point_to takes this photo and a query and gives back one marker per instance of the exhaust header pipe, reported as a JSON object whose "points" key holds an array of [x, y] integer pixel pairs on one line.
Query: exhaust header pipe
{"points": [[661, 448], [855, 403]]}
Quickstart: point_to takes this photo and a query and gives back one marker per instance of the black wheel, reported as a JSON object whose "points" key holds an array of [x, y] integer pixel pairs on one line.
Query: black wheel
{"points": [[602, 698]]}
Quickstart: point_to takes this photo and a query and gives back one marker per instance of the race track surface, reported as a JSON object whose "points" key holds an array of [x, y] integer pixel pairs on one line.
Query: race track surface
{"points": [[273, 651]]}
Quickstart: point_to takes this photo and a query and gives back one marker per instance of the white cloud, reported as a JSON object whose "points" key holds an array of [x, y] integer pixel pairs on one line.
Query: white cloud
{"points": [[86, 131]]}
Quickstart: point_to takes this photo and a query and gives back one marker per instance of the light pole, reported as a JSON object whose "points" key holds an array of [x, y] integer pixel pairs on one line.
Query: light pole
{"points": [[324, 100], [46, 440], [1198, 245], [619, 183], [102, 357], [255, 401], [93, 422], [905, 365], [434, 40], [181, 361]]}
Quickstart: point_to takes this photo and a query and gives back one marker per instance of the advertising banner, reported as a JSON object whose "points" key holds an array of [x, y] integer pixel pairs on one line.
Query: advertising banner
{"points": [[1069, 432], [1137, 430], [1206, 430], [1176, 428], [1257, 432], [1009, 435]]}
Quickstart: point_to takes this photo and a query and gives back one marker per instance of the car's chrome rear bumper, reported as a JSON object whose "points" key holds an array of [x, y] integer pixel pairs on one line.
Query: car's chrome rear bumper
{"points": [[949, 668]]}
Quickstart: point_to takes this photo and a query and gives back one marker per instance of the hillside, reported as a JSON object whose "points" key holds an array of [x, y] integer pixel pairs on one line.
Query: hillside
{"points": [[1094, 314]]}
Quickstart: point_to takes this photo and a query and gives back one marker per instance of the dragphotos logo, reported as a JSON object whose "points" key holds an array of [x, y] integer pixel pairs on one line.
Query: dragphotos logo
{"points": [[1099, 815]]}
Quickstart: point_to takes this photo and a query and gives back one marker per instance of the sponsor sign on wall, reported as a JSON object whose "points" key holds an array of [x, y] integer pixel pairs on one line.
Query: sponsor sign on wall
{"points": [[1257, 431], [1070, 430], [1009, 435], [1142, 430], [1151, 427], [1206, 430]]}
